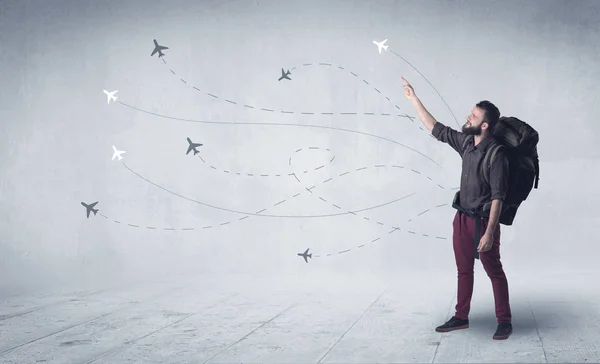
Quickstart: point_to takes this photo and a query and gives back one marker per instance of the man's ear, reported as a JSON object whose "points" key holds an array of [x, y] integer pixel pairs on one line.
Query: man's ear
{"points": [[484, 125]]}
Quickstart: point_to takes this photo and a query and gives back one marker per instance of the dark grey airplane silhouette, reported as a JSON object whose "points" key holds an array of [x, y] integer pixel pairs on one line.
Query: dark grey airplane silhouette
{"points": [[305, 254], [284, 74], [159, 49], [90, 208], [193, 147]]}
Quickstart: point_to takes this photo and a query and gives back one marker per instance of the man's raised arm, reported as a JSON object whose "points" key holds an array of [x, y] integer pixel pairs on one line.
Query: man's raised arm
{"points": [[440, 131]]}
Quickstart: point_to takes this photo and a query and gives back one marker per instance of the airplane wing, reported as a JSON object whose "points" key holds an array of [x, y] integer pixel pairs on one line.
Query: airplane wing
{"points": [[88, 212], [306, 251], [92, 205], [304, 256], [189, 149]]}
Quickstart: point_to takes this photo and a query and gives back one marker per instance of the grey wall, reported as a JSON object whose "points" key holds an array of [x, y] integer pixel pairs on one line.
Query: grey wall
{"points": [[537, 60]]}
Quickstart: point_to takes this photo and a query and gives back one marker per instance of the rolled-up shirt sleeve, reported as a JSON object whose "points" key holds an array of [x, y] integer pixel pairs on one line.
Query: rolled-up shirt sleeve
{"points": [[499, 176], [452, 137]]}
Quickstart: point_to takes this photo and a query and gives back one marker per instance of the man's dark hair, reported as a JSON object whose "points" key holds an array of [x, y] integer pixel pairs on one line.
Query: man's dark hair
{"points": [[492, 114]]}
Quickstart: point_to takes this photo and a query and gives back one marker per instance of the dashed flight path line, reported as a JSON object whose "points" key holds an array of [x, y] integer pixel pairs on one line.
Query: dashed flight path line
{"points": [[394, 228], [280, 174], [308, 189], [430, 84], [366, 217], [294, 174], [281, 124], [258, 213], [289, 112]]}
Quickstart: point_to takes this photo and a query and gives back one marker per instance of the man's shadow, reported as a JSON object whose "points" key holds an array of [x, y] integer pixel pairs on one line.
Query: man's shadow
{"points": [[529, 316]]}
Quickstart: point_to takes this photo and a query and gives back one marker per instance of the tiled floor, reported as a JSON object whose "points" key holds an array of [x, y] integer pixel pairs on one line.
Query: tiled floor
{"points": [[203, 320]]}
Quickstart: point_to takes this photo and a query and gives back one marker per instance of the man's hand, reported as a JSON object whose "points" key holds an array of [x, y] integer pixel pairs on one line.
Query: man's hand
{"points": [[426, 118], [409, 92], [485, 243]]}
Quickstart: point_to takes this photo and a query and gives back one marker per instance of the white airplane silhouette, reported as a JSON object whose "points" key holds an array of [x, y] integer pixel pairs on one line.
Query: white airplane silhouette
{"points": [[117, 153], [380, 45], [111, 95]]}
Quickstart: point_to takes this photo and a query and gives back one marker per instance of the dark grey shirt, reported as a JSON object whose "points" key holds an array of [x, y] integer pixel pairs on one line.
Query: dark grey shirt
{"points": [[474, 190]]}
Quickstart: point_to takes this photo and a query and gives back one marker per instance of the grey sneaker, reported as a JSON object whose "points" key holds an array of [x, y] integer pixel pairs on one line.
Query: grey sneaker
{"points": [[503, 331], [453, 324]]}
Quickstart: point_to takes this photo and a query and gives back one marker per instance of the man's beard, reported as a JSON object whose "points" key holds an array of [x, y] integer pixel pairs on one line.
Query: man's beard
{"points": [[471, 130]]}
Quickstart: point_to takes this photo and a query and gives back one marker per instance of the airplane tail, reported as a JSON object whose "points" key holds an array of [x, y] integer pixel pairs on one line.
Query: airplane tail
{"points": [[95, 211], [310, 255]]}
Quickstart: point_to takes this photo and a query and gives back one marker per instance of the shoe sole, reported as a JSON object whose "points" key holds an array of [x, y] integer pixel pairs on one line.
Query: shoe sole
{"points": [[504, 337], [452, 328]]}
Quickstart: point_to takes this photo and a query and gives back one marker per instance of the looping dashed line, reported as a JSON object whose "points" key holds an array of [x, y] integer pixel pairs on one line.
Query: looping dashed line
{"points": [[308, 189], [394, 228], [283, 174], [294, 174], [388, 99]]}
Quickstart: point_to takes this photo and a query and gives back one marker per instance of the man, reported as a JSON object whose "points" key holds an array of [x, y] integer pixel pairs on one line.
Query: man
{"points": [[476, 230]]}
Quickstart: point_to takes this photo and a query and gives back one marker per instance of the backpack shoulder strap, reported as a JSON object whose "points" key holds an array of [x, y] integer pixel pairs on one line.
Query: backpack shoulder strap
{"points": [[488, 160], [537, 171]]}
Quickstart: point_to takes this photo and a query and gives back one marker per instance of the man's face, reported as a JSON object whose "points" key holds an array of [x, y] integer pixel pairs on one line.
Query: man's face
{"points": [[474, 124]]}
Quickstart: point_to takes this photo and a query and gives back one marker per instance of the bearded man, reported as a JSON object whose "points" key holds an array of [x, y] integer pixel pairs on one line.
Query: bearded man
{"points": [[479, 204]]}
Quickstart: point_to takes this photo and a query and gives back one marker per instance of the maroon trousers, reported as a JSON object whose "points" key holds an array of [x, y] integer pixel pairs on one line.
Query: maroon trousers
{"points": [[463, 239]]}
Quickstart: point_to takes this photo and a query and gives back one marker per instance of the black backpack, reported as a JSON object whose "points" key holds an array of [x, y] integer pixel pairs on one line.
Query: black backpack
{"points": [[520, 141]]}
